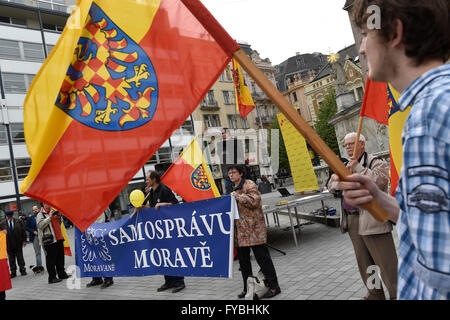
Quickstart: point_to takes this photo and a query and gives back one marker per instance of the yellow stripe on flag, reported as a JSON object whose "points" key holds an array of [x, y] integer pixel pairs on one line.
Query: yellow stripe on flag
{"points": [[67, 250], [39, 104], [3, 252]]}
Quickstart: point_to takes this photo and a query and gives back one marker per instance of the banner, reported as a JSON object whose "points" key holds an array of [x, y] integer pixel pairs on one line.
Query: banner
{"points": [[298, 155], [192, 239]]}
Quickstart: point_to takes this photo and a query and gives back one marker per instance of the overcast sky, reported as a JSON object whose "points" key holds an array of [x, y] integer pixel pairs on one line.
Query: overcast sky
{"points": [[278, 29]]}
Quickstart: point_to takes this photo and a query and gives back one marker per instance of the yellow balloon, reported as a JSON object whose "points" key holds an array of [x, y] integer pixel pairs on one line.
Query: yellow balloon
{"points": [[137, 198]]}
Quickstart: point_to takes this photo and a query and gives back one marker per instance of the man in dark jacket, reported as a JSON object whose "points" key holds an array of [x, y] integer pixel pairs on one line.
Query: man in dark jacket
{"points": [[32, 229], [16, 239], [159, 195]]}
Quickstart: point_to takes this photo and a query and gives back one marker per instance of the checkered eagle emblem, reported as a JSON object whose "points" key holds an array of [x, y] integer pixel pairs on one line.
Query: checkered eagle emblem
{"points": [[199, 179], [111, 84]]}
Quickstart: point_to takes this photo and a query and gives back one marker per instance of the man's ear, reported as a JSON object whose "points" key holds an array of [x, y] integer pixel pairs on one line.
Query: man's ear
{"points": [[397, 37]]}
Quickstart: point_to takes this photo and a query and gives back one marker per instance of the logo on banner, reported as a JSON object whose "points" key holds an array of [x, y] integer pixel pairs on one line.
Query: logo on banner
{"points": [[111, 83], [199, 179], [93, 245]]}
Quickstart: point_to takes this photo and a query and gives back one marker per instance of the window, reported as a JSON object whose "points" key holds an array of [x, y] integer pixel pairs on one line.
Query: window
{"points": [[360, 93], [233, 121], [211, 120], [14, 83], [33, 51], [5, 170], [9, 49], [210, 97], [294, 95], [17, 133], [22, 167], [15, 21], [3, 137], [49, 48], [245, 123], [228, 97], [164, 155]]}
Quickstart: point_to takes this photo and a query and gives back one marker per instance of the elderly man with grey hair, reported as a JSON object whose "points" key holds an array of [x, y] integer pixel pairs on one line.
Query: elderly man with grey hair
{"points": [[372, 240]]}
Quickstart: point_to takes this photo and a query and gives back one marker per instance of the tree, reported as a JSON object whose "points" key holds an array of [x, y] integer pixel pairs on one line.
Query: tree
{"points": [[283, 158], [327, 109]]}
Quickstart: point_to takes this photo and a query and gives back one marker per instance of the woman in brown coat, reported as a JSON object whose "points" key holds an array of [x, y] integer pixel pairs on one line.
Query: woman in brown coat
{"points": [[250, 231]]}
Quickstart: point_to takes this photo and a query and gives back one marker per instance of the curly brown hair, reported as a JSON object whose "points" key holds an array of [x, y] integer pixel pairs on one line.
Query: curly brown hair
{"points": [[426, 25]]}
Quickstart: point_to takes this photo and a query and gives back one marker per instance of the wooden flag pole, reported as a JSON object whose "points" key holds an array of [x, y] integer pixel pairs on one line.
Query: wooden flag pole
{"points": [[358, 133], [304, 128]]}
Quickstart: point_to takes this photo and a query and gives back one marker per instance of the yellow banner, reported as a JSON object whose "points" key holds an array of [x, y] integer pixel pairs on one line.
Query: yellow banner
{"points": [[298, 155]]}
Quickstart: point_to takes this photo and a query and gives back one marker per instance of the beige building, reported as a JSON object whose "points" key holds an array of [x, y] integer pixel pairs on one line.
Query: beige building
{"points": [[324, 81], [292, 77]]}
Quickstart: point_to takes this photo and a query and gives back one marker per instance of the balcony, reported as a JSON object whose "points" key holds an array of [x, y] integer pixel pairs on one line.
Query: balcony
{"points": [[264, 120], [209, 105], [55, 5]]}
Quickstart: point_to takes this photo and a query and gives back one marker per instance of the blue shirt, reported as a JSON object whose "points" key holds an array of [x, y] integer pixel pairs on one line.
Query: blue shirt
{"points": [[423, 191]]}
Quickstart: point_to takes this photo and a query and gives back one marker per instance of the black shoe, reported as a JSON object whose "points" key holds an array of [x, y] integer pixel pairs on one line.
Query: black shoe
{"points": [[23, 273], [178, 288], [242, 295], [165, 286], [272, 293], [41, 268], [107, 284], [64, 276], [94, 283], [13, 275], [55, 280]]}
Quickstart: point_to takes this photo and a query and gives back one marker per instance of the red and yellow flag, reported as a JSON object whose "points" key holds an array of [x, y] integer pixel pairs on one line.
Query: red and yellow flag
{"points": [[380, 104], [122, 77], [67, 250], [375, 102], [5, 278], [397, 121], [244, 100], [189, 176]]}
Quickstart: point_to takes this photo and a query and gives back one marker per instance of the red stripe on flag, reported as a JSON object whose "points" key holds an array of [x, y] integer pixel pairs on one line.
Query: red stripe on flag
{"points": [[375, 102], [5, 278], [178, 178]]}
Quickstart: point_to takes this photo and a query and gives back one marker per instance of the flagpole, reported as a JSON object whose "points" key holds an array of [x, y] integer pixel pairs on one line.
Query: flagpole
{"points": [[378, 212], [358, 133]]}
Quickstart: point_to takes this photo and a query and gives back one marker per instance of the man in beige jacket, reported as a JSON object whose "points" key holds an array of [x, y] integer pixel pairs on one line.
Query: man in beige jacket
{"points": [[372, 240]]}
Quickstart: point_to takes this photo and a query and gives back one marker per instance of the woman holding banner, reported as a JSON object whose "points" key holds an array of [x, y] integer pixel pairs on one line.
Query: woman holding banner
{"points": [[250, 231]]}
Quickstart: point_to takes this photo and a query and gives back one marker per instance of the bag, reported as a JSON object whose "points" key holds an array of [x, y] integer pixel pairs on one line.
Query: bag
{"points": [[47, 238], [256, 287]]}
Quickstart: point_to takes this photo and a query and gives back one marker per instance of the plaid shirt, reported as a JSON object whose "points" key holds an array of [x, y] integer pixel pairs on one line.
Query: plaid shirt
{"points": [[423, 191]]}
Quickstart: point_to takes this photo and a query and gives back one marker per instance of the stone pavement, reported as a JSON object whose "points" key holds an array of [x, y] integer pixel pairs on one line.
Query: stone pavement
{"points": [[322, 267]]}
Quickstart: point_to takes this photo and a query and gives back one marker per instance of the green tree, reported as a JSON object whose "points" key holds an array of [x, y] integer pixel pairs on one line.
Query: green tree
{"points": [[327, 109], [283, 158]]}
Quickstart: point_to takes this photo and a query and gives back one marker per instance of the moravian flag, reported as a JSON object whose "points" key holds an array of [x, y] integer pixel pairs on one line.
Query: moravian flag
{"points": [[123, 76], [67, 250], [380, 104], [244, 100], [190, 177], [397, 121], [5, 278]]}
